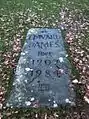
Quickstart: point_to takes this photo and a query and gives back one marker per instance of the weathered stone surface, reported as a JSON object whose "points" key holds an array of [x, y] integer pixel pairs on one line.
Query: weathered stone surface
{"points": [[42, 76]]}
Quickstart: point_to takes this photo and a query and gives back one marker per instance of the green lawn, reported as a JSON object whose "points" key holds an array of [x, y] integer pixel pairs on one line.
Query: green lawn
{"points": [[16, 17]]}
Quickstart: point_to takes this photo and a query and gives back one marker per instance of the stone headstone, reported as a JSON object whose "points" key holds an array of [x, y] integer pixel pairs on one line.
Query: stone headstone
{"points": [[42, 76]]}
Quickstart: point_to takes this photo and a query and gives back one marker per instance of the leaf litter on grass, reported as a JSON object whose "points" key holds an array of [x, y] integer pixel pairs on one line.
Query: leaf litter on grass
{"points": [[76, 25]]}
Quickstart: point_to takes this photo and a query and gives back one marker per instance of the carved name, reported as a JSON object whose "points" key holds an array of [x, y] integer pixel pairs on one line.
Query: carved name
{"points": [[44, 45], [45, 36]]}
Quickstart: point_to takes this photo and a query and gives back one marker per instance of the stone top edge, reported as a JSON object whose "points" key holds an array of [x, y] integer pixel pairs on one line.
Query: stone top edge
{"points": [[36, 30]]}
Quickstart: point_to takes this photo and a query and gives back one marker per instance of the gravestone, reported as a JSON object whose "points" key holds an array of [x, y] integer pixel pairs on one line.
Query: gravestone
{"points": [[42, 77]]}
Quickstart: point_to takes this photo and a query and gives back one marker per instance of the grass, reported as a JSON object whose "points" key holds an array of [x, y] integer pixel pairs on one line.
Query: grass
{"points": [[14, 19]]}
